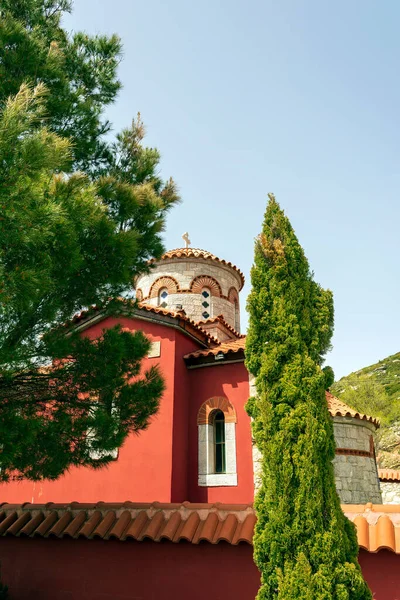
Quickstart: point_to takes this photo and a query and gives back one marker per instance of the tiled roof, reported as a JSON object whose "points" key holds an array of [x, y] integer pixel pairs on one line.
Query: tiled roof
{"points": [[213, 523], [378, 526], [225, 347], [198, 253], [389, 475], [177, 315], [127, 303], [220, 319], [337, 408]]}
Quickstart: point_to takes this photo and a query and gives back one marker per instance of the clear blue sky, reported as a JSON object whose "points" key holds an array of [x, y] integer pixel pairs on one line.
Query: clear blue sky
{"points": [[298, 98]]}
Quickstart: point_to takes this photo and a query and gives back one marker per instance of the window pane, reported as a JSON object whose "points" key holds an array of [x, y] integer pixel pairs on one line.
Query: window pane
{"points": [[219, 432], [205, 293], [219, 458]]}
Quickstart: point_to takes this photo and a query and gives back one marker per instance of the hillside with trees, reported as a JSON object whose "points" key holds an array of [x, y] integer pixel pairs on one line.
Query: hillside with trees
{"points": [[375, 390]]}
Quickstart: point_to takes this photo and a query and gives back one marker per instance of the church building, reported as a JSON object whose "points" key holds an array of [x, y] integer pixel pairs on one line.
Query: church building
{"points": [[190, 478]]}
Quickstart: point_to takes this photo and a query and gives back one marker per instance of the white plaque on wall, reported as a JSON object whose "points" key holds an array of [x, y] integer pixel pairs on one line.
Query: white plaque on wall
{"points": [[155, 350]]}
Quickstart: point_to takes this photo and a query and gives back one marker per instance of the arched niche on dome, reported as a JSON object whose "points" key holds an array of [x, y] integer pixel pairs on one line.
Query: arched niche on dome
{"points": [[206, 282], [166, 282]]}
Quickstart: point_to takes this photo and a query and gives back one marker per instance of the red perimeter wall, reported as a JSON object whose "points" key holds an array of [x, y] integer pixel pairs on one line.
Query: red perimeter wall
{"points": [[54, 569]]}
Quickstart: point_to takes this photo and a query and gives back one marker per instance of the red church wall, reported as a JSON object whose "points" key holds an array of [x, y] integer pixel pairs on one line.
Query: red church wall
{"points": [[382, 573], [182, 400], [144, 469], [54, 569], [232, 382]]}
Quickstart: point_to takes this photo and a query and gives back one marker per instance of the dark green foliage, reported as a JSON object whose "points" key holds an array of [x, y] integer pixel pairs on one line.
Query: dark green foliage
{"points": [[329, 377], [3, 592], [69, 239], [79, 72], [304, 546]]}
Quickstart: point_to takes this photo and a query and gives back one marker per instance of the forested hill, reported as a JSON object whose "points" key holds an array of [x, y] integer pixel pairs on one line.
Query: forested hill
{"points": [[375, 390]]}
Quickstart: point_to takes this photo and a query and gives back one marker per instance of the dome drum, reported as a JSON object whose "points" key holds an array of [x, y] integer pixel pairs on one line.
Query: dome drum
{"points": [[202, 287]]}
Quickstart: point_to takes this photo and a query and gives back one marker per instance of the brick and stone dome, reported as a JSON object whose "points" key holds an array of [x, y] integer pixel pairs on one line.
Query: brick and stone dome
{"points": [[194, 280]]}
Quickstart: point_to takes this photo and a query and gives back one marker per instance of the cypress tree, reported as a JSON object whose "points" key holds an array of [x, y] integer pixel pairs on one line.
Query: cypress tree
{"points": [[304, 546]]}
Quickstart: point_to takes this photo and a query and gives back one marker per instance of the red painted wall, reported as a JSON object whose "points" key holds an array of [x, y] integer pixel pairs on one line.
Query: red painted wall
{"points": [[231, 381], [161, 462], [382, 573], [54, 569], [150, 466]]}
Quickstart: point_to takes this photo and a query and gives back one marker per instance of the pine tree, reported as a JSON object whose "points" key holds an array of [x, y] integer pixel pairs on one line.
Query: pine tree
{"points": [[80, 216], [79, 71], [304, 546]]}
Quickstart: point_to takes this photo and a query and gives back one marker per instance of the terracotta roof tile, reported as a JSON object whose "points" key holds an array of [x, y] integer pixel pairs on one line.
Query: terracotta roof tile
{"points": [[198, 253], [224, 347], [378, 526], [175, 522], [220, 319], [389, 475], [337, 408], [127, 303]]}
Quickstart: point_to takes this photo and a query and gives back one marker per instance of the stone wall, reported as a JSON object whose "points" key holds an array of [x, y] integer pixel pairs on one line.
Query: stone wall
{"points": [[184, 271], [357, 480], [390, 492], [356, 472]]}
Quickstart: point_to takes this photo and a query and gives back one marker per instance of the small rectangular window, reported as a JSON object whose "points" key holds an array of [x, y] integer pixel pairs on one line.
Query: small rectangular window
{"points": [[219, 429]]}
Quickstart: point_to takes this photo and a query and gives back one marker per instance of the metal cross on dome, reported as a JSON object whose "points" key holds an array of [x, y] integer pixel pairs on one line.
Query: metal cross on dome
{"points": [[186, 239]]}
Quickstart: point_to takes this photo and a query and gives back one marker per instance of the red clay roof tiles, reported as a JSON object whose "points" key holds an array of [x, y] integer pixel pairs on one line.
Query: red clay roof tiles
{"points": [[126, 303], [378, 526], [389, 475], [337, 408], [221, 319], [224, 347]]}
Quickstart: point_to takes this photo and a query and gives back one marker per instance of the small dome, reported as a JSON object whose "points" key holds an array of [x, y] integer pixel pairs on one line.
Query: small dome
{"points": [[196, 281]]}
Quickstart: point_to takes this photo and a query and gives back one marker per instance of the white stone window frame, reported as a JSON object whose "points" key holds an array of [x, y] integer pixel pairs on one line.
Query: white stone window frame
{"points": [[207, 477]]}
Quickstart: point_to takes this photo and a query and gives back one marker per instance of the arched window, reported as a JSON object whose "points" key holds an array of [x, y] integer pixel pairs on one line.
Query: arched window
{"points": [[219, 441], [237, 315], [163, 297], [216, 422], [206, 303]]}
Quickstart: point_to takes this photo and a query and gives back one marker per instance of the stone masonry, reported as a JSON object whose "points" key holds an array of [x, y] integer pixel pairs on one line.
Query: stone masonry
{"points": [[183, 271], [390, 492]]}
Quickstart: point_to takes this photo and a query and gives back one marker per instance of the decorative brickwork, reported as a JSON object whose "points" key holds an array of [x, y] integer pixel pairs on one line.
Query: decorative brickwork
{"points": [[233, 295], [213, 404], [170, 283], [188, 273], [204, 281]]}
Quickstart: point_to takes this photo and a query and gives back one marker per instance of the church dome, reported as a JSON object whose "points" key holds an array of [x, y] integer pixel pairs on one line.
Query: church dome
{"points": [[196, 281]]}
